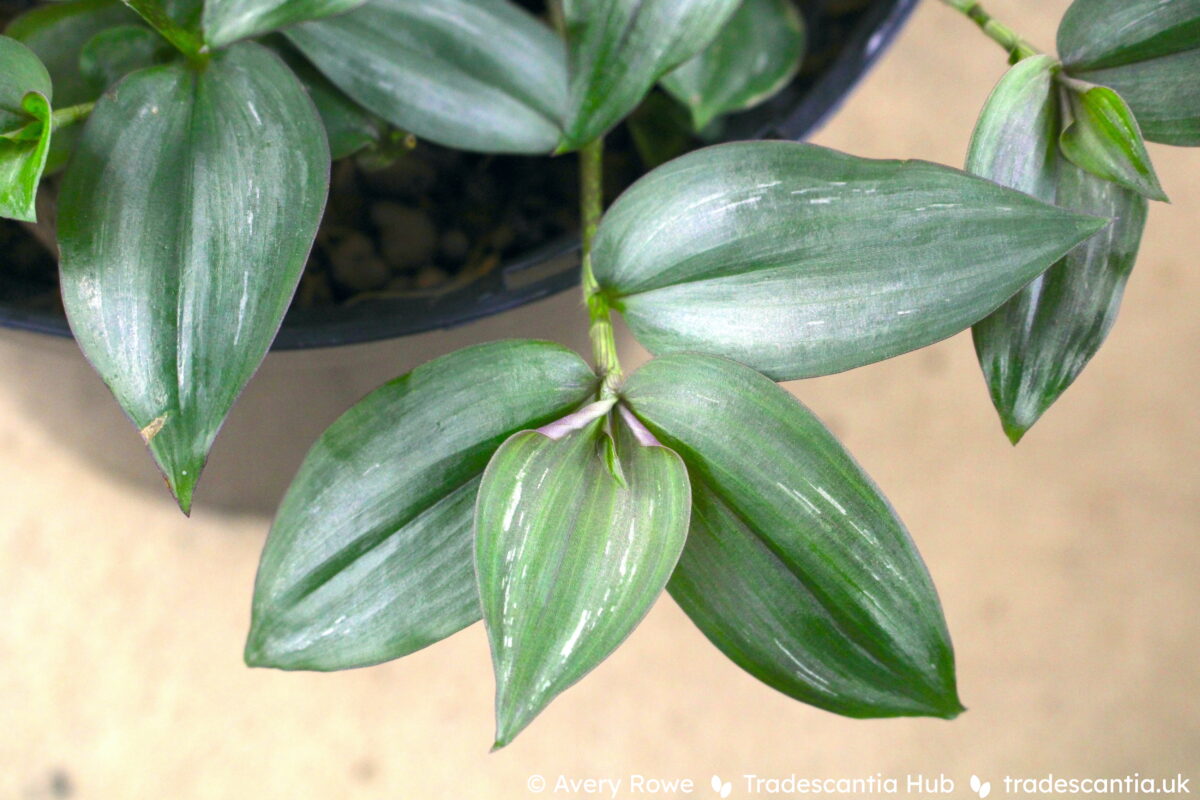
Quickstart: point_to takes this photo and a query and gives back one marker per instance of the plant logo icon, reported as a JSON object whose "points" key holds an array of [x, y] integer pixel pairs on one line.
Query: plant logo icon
{"points": [[722, 788], [981, 788]]}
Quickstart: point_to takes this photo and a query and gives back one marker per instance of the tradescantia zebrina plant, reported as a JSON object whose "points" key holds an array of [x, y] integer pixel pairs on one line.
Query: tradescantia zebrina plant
{"points": [[512, 481]]}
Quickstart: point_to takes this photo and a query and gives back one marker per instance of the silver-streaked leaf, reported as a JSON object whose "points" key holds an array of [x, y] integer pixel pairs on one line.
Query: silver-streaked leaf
{"points": [[370, 555], [25, 129], [1015, 143], [1103, 138], [1148, 51], [795, 566], [213, 181], [617, 49], [799, 261], [570, 557], [754, 56], [226, 21], [1107, 33], [1035, 345], [481, 75], [349, 126]]}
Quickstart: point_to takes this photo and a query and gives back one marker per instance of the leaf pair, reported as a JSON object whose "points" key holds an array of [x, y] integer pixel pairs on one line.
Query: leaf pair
{"points": [[1146, 50], [1034, 347], [794, 565], [486, 75], [1065, 135]]}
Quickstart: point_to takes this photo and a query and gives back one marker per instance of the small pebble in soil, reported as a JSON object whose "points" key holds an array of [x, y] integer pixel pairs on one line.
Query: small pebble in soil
{"points": [[356, 265], [409, 178], [454, 246], [407, 236], [430, 277]]}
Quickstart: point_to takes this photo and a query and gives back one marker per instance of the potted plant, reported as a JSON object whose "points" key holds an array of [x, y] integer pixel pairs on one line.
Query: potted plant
{"points": [[557, 500]]}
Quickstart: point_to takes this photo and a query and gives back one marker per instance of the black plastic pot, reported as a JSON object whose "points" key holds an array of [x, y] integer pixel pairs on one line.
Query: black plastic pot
{"points": [[857, 39]]}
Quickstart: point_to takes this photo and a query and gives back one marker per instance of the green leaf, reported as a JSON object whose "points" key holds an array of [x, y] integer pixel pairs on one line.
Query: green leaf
{"points": [[226, 21], [795, 566], [369, 558], [1108, 33], [350, 127], [1035, 345], [213, 182], [1148, 51], [177, 21], [619, 48], [25, 92], [112, 54], [756, 54], [569, 558], [1015, 143], [1103, 138], [57, 34], [481, 75], [802, 261], [661, 130]]}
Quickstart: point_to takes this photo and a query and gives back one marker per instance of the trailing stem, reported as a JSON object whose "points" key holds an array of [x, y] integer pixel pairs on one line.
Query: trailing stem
{"points": [[1017, 47], [600, 328]]}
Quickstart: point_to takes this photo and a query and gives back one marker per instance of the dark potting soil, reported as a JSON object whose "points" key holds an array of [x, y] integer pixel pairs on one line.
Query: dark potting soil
{"points": [[433, 219]]}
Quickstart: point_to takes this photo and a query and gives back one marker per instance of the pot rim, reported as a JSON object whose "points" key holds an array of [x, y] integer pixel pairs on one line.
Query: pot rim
{"points": [[552, 267]]}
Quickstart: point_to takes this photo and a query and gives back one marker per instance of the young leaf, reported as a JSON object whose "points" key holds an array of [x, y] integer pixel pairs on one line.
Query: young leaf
{"points": [[481, 75], [795, 565], [802, 261], [226, 21], [177, 21], [1103, 138], [1015, 143], [113, 53], [1148, 51], [25, 128], [754, 56], [617, 49], [213, 181], [1036, 344], [570, 559], [370, 555], [57, 33]]}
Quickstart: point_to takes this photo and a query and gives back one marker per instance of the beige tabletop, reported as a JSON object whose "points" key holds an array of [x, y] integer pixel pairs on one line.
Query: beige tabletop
{"points": [[1067, 566]]}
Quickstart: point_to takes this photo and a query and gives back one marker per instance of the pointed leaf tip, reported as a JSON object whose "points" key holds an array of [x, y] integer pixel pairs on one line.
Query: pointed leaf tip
{"points": [[568, 559], [214, 182], [1104, 139], [795, 565], [1034, 346], [369, 557], [802, 261]]}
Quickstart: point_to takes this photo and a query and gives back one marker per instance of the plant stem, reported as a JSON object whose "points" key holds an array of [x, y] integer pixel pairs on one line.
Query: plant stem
{"points": [[60, 118], [185, 41], [1017, 47], [600, 328], [63, 117]]}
